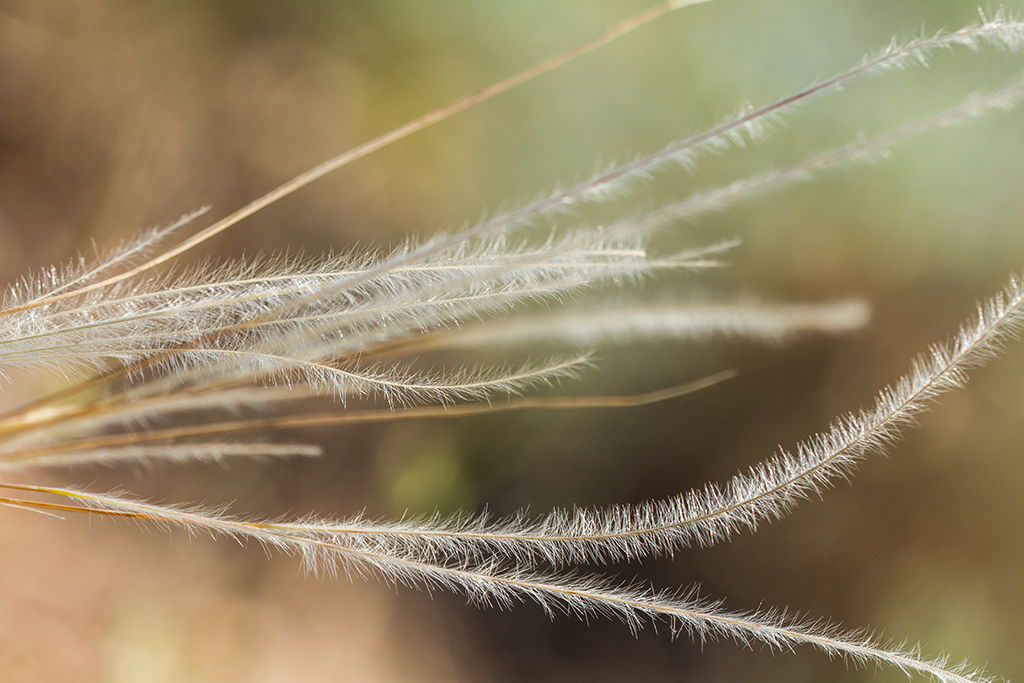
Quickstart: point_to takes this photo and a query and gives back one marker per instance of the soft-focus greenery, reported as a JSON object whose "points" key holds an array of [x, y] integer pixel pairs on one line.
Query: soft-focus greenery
{"points": [[118, 115]]}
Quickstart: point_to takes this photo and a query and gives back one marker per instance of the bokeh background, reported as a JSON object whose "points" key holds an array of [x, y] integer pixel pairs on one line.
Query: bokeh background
{"points": [[118, 115]]}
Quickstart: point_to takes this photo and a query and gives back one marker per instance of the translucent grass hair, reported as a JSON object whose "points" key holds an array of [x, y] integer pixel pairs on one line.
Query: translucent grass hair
{"points": [[246, 344]]}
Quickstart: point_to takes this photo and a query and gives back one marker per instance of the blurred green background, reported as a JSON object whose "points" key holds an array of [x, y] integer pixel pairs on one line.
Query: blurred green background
{"points": [[118, 115]]}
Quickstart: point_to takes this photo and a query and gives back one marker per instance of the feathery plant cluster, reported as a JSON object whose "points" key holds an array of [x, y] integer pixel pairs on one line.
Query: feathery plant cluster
{"points": [[178, 362]]}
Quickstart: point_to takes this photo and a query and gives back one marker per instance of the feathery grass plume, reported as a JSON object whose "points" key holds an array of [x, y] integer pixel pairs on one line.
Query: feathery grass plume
{"points": [[187, 362], [494, 563]]}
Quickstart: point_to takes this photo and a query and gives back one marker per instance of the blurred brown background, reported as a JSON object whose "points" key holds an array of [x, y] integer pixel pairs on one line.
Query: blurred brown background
{"points": [[118, 115]]}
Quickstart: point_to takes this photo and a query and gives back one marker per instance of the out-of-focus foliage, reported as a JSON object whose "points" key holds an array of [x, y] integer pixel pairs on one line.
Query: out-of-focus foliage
{"points": [[119, 115]]}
